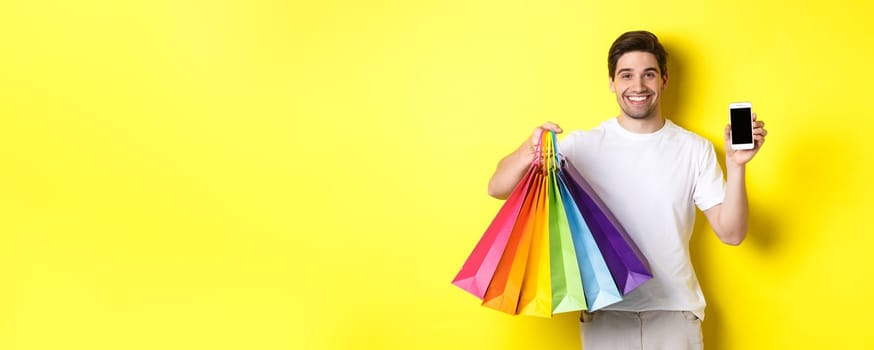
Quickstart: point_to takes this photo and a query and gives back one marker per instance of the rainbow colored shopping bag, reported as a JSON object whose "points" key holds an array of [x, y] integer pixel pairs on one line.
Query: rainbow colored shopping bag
{"points": [[553, 246]]}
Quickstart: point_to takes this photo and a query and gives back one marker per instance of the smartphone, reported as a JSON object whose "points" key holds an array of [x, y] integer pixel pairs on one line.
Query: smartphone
{"points": [[741, 114]]}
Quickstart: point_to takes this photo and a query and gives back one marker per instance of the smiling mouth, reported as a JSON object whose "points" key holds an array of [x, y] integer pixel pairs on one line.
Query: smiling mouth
{"points": [[638, 100]]}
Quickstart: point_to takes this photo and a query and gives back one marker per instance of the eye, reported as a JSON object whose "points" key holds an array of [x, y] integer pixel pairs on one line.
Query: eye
{"points": [[650, 75], [625, 76]]}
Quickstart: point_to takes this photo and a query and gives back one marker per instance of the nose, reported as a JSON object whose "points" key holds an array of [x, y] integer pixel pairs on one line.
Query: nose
{"points": [[639, 84]]}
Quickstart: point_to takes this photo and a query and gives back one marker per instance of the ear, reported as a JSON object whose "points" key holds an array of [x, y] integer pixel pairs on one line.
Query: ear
{"points": [[612, 88], [664, 80]]}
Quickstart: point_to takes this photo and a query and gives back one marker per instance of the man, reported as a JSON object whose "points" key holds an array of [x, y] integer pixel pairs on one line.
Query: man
{"points": [[651, 173]]}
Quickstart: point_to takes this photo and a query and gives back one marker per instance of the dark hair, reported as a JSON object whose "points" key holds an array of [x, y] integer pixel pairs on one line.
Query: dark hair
{"points": [[640, 40]]}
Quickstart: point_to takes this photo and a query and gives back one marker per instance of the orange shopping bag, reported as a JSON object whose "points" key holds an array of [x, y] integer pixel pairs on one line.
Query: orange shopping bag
{"points": [[503, 293]]}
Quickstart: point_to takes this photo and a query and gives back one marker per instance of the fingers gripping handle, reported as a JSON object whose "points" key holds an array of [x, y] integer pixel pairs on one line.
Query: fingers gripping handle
{"points": [[545, 152]]}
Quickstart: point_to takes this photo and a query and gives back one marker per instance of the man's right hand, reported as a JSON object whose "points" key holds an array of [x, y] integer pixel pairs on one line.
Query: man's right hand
{"points": [[535, 137], [512, 168]]}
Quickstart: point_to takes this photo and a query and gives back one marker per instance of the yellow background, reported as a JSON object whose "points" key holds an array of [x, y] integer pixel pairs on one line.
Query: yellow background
{"points": [[311, 175]]}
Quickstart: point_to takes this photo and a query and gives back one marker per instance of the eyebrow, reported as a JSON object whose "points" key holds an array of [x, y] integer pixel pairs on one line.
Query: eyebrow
{"points": [[648, 69]]}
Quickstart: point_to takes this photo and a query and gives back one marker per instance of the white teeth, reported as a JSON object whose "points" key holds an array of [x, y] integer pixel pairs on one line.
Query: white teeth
{"points": [[637, 98]]}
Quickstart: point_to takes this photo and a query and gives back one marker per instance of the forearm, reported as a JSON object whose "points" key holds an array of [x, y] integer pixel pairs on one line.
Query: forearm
{"points": [[735, 208], [510, 171]]}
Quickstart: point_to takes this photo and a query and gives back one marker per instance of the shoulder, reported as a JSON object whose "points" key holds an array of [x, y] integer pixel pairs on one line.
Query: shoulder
{"points": [[679, 134], [594, 133], [582, 140]]}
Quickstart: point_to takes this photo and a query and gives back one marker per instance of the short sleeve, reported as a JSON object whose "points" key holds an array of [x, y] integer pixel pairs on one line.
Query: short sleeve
{"points": [[709, 184], [566, 146]]}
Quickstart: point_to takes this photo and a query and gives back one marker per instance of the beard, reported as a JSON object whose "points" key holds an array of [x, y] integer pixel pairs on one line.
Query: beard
{"points": [[637, 112]]}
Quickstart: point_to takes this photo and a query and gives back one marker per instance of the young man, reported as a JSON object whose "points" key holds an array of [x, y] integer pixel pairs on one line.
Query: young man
{"points": [[652, 174]]}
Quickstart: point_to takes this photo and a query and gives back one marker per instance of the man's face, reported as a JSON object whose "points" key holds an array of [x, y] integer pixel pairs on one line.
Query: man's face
{"points": [[637, 84]]}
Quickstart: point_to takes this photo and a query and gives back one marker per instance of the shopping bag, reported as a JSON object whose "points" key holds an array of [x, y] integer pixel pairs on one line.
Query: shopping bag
{"points": [[504, 290], [535, 298], [553, 246], [566, 281], [627, 264], [598, 284], [479, 268]]}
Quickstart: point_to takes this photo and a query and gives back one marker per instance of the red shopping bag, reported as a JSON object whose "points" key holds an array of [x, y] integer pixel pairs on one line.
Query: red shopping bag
{"points": [[503, 293], [480, 266]]}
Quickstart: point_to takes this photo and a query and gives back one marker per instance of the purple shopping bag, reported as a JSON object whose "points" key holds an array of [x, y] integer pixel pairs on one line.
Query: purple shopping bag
{"points": [[627, 264]]}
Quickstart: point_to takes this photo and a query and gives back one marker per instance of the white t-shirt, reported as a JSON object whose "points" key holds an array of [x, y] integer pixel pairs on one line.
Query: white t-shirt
{"points": [[652, 183]]}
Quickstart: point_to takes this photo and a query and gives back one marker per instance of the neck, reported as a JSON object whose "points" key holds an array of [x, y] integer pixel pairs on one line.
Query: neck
{"points": [[646, 125]]}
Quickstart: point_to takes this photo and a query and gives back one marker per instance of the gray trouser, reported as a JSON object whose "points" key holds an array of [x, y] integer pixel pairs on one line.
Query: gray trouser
{"points": [[647, 330]]}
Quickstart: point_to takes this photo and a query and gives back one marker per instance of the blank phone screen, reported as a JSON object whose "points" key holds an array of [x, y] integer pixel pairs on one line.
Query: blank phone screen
{"points": [[741, 125]]}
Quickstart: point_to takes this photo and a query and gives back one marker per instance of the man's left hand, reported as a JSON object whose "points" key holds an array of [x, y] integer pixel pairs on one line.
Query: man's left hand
{"points": [[743, 156]]}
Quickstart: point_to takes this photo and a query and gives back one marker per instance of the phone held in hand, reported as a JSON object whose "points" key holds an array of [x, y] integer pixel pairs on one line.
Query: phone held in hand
{"points": [[741, 115]]}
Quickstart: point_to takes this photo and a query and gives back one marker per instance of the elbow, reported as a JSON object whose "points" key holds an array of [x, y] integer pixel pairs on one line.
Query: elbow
{"points": [[734, 238], [732, 232], [733, 242], [495, 193]]}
